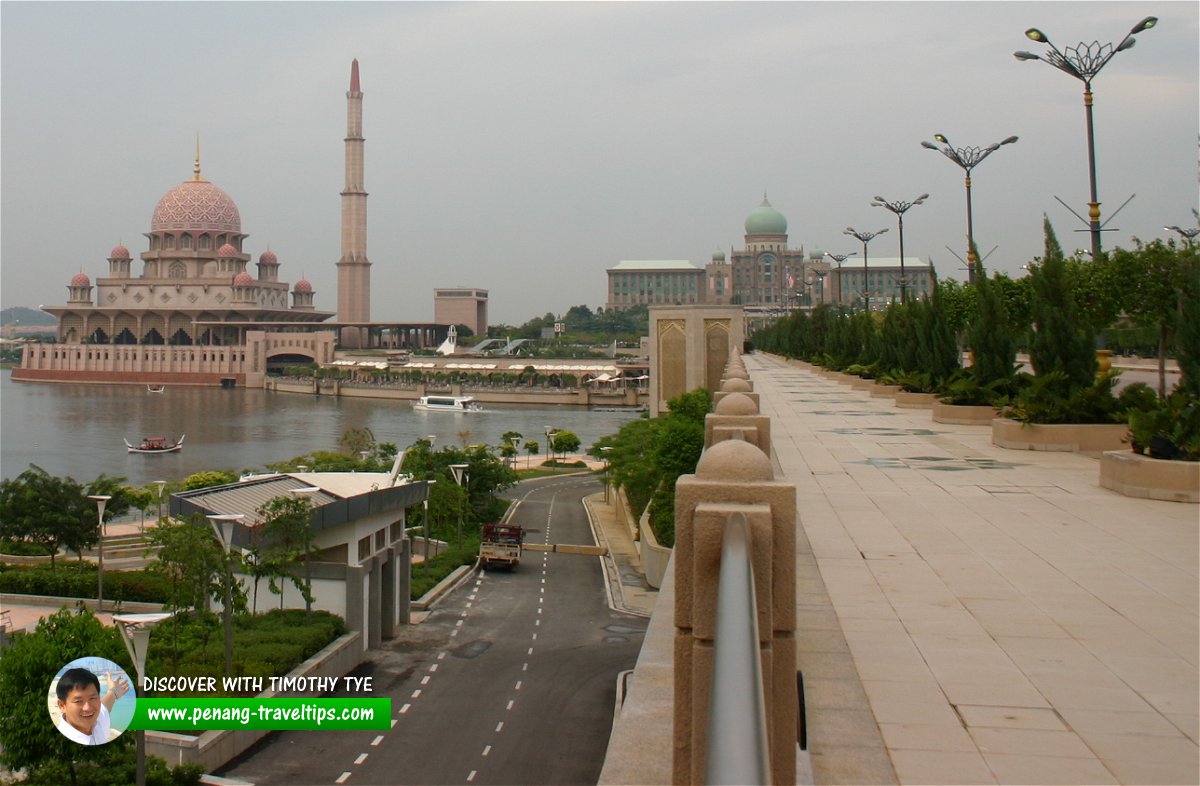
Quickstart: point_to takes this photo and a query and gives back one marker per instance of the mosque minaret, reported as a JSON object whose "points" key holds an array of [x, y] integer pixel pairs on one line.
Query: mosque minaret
{"points": [[354, 269]]}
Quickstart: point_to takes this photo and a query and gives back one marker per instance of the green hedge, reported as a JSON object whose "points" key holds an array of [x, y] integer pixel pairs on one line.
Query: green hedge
{"points": [[22, 548], [79, 580], [425, 576]]}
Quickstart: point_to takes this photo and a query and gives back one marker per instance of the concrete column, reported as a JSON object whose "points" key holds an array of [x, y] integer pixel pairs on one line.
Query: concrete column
{"points": [[734, 476], [375, 603]]}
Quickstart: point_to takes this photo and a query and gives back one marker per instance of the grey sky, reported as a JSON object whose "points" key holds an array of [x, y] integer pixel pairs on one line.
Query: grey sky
{"points": [[526, 148]]}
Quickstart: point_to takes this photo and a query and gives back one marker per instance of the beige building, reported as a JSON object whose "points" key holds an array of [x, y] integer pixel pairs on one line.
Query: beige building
{"points": [[882, 277], [461, 306], [655, 282]]}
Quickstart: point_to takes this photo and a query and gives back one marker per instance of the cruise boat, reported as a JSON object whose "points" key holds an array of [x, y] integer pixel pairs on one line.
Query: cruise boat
{"points": [[156, 445], [448, 404]]}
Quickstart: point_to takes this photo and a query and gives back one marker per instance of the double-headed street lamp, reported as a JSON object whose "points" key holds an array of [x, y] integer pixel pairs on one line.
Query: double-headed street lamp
{"points": [[900, 208], [1083, 61], [967, 158], [135, 632], [865, 237], [1188, 234], [223, 524], [101, 500]]}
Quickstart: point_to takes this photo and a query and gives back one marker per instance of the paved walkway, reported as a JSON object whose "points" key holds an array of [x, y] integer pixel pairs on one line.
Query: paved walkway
{"points": [[1008, 620], [628, 589]]}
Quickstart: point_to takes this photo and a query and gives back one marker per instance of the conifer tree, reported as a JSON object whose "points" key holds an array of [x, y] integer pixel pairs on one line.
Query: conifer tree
{"points": [[989, 337], [1060, 342]]}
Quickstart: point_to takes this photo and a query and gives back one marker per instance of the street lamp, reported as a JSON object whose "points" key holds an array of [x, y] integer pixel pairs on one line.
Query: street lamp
{"points": [[899, 208], [1188, 234], [839, 259], [425, 524], [865, 237], [967, 158], [222, 524], [550, 435], [461, 476], [516, 443], [101, 501], [160, 485], [1083, 62], [135, 632], [604, 451]]}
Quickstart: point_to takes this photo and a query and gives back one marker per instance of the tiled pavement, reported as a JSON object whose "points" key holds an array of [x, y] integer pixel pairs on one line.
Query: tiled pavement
{"points": [[1008, 620]]}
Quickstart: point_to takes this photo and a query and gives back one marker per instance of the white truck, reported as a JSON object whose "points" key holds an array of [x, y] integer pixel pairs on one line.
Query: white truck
{"points": [[500, 544]]}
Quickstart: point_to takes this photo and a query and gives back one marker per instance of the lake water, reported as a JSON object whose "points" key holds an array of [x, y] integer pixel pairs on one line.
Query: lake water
{"points": [[76, 430]]}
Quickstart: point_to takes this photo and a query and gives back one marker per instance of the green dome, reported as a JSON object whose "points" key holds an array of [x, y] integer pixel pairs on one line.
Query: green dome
{"points": [[718, 256], [766, 220]]}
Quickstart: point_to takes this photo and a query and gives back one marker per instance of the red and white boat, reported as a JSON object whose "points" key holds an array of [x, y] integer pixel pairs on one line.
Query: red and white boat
{"points": [[156, 445]]}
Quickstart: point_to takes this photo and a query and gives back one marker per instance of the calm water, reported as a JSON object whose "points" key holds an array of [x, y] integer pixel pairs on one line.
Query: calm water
{"points": [[76, 430]]}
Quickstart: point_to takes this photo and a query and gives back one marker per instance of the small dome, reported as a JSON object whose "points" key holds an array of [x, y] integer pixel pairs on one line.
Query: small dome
{"points": [[268, 258], [718, 256], [303, 286], [80, 279], [766, 220], [243, 279], [733, 460], [227, 252], [119, 252], [735, 385], [736, 404]]}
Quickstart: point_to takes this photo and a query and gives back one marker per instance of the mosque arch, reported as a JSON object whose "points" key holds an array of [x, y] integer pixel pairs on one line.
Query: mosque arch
{"points": [[185, 242], [152, 337], [177, 270], [98, 336], [205, 242], [169, 242], [180, 338], [124, 336]]}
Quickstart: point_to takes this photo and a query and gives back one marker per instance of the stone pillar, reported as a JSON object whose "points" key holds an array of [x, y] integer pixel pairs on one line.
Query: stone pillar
{"points": [[736, 417], [737, 385], [375, 603], [734, 476]]}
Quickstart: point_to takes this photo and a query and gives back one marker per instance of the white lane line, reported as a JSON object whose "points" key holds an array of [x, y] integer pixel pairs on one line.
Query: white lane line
{"points": [[543, 580], [416, 693], [541, 600], [535, 635], [433, 667], [342, 778], [454, 632], [458, 623], [541, 590], [464, 613], [524, 667], [539, 610], [518, 686], [442, 655], [404, 709], [500, 726], [469, 605], [394, 721], [471, 776], [530, 651], [425, 680], [537, 622], [487, 749], [375, 742], [510, 704], [361, 758]]}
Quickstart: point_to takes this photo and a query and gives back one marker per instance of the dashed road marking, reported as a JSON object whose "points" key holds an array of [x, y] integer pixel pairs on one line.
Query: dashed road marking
{"points": [[487, 749], [458, 623], [343, 777], [416, 693], [530, 651], [375, 742], [454, 632], [510, 704], [394, 722], [518, 685], [471, 776], [537, 622], [524, 667], [404, 709], [361, 758], [425, 680], [442, 655], [433, 667], [535, 635], [500, 726]]}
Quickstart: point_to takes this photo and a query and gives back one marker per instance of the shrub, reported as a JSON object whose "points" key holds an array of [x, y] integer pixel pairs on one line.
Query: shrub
{"points": [[79, 580]]}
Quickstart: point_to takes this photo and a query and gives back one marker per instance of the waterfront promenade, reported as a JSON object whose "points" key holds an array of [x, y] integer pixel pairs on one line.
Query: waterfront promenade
{"points": [[969, 614]]}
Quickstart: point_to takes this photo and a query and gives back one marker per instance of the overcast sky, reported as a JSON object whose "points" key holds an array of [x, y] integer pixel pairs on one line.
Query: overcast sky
{"points": [[526, 148]]}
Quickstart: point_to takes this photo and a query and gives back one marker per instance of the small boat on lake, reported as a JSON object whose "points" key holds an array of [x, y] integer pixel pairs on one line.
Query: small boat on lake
{"points": [[156, 445], [156, 388], [448, 404]]}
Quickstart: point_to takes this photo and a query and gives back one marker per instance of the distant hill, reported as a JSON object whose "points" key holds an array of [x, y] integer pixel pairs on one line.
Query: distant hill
{"points": [[26, 316]]}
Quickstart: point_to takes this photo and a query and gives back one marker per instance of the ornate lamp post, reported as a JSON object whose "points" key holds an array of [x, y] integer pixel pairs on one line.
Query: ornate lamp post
{"points": [[425, 522], [101, 500], [968, 158], [864, 237], [135, 632], [1083, 61], [222, 524], [839, 259], [160, 485], [900, 208], [1188, 234]]}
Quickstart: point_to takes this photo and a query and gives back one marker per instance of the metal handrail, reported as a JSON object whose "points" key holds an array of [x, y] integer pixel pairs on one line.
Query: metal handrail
{"points": [[738, 749]]}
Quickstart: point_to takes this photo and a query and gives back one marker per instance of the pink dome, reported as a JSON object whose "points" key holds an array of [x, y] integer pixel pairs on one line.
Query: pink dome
{"points": [[119, 252], [243, 279], [80, 279], [196, 204], [227, 252], [303, 286], [268, 258]]}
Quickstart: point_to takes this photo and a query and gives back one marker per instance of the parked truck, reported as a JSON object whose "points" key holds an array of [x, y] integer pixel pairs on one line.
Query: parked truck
{"points": [[500, 544]]}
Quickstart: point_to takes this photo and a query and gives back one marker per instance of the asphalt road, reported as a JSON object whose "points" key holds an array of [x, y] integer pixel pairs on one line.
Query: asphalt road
{"points": [[511, 680]]}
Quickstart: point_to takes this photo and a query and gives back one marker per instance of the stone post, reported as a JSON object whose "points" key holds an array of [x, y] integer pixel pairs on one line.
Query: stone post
{"points": [[736, 417], [734, 476], [737, 385]]}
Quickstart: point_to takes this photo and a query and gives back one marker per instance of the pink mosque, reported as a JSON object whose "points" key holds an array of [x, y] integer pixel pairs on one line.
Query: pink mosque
{"points": [[196, 315]]}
